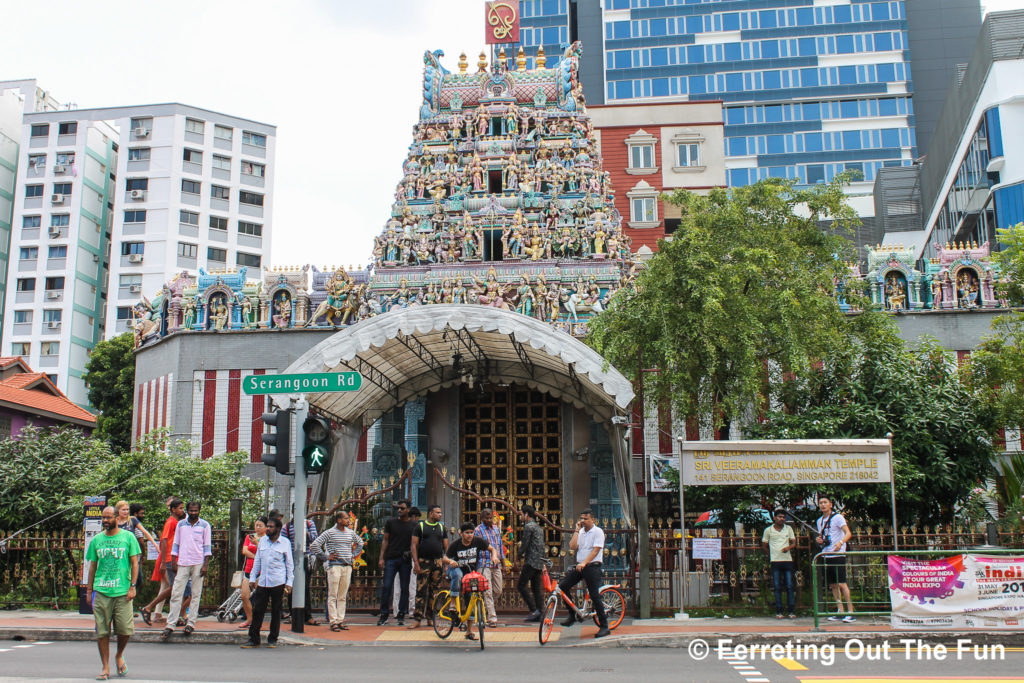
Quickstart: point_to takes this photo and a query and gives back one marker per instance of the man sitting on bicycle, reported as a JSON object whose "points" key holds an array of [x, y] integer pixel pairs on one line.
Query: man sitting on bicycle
{"points": [[587, 542], [462, 558]]}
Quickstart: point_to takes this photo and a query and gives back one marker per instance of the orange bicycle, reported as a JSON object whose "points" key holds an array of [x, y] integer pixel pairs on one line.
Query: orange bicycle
{"points": [[611, 597]]}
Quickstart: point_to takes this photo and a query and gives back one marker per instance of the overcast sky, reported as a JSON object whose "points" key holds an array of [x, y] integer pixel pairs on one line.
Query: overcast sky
{"points": [[340, 80]]}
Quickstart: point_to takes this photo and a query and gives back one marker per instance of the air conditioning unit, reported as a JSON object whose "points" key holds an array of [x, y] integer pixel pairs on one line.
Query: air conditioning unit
{"points": [[53, 294], [95, 258], [60, 168], [138, 194], [56, 199], [54, 232], [134, 258], [141, 132], [135, 288], [53, 324]]}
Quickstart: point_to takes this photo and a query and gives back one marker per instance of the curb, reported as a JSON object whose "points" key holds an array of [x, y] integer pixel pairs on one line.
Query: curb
{"points": [[677, 640], [140, 636]]}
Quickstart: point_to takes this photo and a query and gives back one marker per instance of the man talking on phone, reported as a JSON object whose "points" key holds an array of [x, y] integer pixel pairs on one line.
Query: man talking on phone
{"points": [[587, 542]]}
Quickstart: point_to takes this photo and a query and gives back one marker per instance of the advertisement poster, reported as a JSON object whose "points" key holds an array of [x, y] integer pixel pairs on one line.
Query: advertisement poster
{"points": [[664, 473], [960, 592], [93, 524]]}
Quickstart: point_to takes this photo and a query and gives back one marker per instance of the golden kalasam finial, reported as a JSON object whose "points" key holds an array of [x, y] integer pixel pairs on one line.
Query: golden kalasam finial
{"points": [[542, 60], [482, 63], [502, 58], [463, 63], [521, 59]]}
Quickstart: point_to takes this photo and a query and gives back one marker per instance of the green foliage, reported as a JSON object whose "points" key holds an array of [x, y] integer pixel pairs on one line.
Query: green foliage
{"points": [[746, 283], [996, 369], [152, 474], [110, 376], [1011, 262], [1011, 492], [941, 428], [37, 474]]}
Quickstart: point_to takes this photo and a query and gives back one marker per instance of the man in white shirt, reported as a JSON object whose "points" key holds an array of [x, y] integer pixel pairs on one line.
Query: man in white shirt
{"points": [[588, 543], [833, 533]]}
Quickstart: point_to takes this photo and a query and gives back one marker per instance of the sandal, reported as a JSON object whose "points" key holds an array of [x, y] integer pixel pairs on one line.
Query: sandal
{"points": [[470, 635], [244, 624], [166, 633], [123, 669], [146, 615], [335, 628], [342, 627], [189, 630], [102, 677]]}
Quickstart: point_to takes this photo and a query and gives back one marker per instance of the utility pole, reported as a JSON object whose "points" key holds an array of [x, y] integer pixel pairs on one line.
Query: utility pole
{"points": [[299, 414]]}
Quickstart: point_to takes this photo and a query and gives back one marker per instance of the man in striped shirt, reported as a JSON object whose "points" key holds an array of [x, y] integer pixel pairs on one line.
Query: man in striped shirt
{"points": [[491, 532], [337, 547]]}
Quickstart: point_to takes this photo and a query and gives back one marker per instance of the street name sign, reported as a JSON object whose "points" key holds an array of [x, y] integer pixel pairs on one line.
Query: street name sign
{"points": [[305, 383]]}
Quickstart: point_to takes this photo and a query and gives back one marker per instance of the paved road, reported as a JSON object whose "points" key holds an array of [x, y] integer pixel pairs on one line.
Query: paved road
{"points": [[70, 661]]}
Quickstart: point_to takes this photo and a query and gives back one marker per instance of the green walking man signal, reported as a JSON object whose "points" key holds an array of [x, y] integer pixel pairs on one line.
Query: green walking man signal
{"points": [[317, 452]]}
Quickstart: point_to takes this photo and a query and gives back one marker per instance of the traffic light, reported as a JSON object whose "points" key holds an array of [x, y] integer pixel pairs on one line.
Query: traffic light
{"points": [[281, 439], [317, 451]]}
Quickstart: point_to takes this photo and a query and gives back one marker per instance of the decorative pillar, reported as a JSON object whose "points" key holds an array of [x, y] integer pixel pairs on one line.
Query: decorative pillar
{"points": [[414, 413]]}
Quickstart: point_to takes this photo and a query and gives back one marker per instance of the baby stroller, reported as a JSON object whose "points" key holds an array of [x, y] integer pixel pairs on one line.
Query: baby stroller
{"points": [[231, 608]]}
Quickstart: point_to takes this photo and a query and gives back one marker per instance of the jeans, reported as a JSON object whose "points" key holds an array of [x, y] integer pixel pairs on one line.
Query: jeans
{"points": [[534, 597], [403, 569], [181, 581], [591, 575], [262, 595], [782, 574], [455, 574]]}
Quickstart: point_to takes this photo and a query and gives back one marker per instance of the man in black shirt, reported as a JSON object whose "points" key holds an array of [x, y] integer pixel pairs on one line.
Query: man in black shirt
{"points": [[429, 543], [534, 554], [463, 557], [395, 558]]}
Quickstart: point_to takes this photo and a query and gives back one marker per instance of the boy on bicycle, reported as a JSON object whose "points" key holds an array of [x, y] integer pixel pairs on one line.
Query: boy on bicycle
{"points": [[462, 558]]}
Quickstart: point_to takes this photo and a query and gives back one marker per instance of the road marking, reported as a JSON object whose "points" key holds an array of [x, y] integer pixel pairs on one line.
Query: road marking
{"points": [[21, 646], [5, 649], [789, 663]]}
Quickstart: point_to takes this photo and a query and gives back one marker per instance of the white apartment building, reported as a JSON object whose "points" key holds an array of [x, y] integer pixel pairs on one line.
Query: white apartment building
{"points": [[110, 204]]}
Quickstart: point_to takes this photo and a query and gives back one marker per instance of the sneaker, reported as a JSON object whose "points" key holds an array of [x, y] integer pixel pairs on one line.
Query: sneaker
{"points": [[534, 616], [249, 644], [569, 620], [271, 644], [792, 615], [400, 621], [779, 615], [849, 619], [602, 632], [382, 620], [834, 617]]}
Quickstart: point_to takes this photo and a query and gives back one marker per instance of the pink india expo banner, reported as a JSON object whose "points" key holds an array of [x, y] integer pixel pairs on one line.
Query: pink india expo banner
{"points": [[957, 592]]}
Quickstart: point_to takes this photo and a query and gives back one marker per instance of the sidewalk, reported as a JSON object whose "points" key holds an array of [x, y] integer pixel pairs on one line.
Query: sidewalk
{"points": [[670, 633]]}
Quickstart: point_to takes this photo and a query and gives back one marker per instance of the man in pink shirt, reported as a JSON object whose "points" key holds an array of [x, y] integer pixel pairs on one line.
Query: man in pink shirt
{"points": [[190, 556]]}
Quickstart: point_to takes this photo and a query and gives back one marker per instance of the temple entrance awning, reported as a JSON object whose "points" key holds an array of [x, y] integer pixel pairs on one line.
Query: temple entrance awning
{"points": [[408, 353]]}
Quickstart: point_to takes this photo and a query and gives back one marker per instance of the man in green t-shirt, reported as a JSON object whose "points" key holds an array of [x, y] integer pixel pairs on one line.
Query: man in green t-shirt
{"points": [[113, 573], [779, 540]]}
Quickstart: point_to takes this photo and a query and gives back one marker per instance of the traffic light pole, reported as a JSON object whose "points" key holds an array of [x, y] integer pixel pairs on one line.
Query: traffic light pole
{"points": [[299, 519]]}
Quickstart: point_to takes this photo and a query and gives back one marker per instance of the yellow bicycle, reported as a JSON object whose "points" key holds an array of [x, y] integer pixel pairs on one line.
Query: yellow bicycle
{"points": [[448, 614]]}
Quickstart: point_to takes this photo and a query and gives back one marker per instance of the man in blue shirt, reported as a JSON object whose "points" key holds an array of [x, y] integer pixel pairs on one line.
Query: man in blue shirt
{"points": [[270, 580]]}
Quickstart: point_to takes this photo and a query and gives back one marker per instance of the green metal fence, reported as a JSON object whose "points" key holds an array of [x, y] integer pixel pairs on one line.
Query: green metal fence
{"points": [[867, 574]]}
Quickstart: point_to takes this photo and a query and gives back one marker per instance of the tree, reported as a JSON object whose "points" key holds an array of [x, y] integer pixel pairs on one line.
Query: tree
{"points": [[110, 376], [1010, 259], [37, 474], [745, 290], [996, 369], [155, 470], [941, 427]]}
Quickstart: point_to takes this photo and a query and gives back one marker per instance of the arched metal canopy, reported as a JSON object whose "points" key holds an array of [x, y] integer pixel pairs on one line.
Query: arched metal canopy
{"points": [[405, 354]]}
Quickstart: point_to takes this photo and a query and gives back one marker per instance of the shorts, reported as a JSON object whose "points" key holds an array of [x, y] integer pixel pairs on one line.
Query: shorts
{"points": [[171, 573], [835, 569], [118, 610]]}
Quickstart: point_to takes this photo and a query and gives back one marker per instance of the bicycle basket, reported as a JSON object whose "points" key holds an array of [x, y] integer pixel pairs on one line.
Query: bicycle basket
{"points": [[475, 582]]}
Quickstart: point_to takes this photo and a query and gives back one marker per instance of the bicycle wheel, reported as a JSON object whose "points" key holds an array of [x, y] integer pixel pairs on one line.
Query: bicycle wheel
{"points": [[443, 623], [614, 607], [481, 619], [547, 620]]}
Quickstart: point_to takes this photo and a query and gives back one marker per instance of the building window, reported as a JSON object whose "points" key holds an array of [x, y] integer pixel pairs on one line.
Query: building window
{"points": [[641, 156], [187, 250], [21, 317], [215, 254], [128, 248], [218, 223], [27, 284], [49, 348], [21, 349], [28, 253], [60, 220], [65, 159], [218, 192], [137, 184], [193, 156], [223, 163], [138, 154], [250, 198], [31, 221], [40, 130], [53, 379], [54, 283], [57, 252], [195, 126], [135, 216], [222, 132], [52, 315], [688, 154], [142, 123], [253, 169], [62, 188], [33, 191], [129, 280], [189, 218], [37, 161], [644, 210], [124, 312], [254, 139], [68, 128], [250, 260], [254, 229], [191, 186]]}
